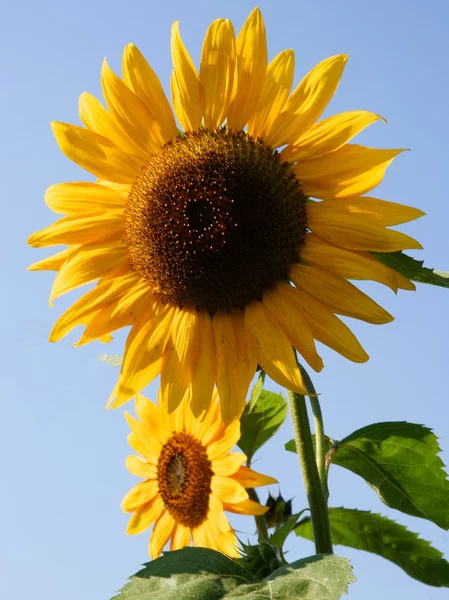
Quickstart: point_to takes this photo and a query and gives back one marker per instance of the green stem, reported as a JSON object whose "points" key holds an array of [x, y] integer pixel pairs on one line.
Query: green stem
{"points": [[320, 438], [261, 524], [312, 481]]}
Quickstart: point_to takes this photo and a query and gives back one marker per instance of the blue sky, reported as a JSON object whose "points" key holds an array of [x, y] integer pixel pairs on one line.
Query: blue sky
{"points": [[63, 473]]}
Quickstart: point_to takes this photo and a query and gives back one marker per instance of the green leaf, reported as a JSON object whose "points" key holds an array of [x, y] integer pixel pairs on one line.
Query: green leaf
{"points": [[259, 423], [203, 574], [257, 389], [412, 268], [281, 534], [291, 445], [377, 534], [400, 462], [190, 574], [324, 577]]}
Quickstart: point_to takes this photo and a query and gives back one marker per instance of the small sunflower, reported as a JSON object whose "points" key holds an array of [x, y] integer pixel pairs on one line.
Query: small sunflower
{"points": [[205, 241], [191, 477]]}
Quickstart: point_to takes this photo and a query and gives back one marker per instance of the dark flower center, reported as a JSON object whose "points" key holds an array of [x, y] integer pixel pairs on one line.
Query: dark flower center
{"points": [[184, 476], [214, 220]]}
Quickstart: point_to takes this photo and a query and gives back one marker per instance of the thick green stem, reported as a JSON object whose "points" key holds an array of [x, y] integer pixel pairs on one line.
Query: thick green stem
{"points": [[261, 524], [320, 438], [312, 481]]}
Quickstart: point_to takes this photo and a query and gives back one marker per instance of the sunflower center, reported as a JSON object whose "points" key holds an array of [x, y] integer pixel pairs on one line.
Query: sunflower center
{"points": [[214, 220], [184, 476]]}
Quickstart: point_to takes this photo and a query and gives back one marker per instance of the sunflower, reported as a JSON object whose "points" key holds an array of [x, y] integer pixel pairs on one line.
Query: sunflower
{"points": [[228, 243], [191, 477]]}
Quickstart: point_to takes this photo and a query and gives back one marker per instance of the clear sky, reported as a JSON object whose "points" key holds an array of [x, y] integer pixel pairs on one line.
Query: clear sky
{"points": [[63, 474]]}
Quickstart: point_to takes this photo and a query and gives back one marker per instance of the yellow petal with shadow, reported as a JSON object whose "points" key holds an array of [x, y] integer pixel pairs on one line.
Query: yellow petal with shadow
{"points": [[249, 478], [140, 494], [82, 197], [95, 153], [338, 294], [143, 81], [228, 489], [287, 313], [185, 84], [329, 330], [252, 58], [131, 113], [162, 531], [277, 85], [217, 71], [308, 101], [272, 348], [329, 135], [145, 517]]}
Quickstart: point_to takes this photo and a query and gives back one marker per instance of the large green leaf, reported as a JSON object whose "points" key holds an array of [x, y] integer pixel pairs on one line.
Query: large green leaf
{"points": [[203, 574], [413, 269], [328, 443], [260, 421], [190, 574], [313, 578], [400, 462], [377, 534]]}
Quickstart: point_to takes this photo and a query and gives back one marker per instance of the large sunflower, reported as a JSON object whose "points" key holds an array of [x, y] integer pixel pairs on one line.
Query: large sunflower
{"points": [[205, 241], [191, 477]]}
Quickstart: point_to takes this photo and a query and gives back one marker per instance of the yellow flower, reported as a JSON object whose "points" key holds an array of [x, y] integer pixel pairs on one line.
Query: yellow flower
{"points": [[205, 242], [191, 477]]}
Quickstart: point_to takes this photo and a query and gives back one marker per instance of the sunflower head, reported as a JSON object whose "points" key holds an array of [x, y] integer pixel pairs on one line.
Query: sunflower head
{"points": [[191, 477], [224, 244]]}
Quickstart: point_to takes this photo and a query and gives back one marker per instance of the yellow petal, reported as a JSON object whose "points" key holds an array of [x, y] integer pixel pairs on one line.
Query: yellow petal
{"points": [[82, 197], [234, 372], [249, 478], [251, 51], [142, 356], [216, 513], [145, 517], [91, 262], [308, 101], [228, 489], [96, 118], [289, 316], [247, 507], [121, 313], [338, 294], [54, 262], [277, 85], [228, 544], [180, 538], [140, 494], [180, 357], [185, 84], [329, 330], [223, 445], [102, 295], [228, 464], [143, 81], [351, 265], [272, 348], [217, 71], [132, 114], [350, 171], [161, 532], [380, 211], [350, 230], [149, 443], [140, 468], [83, 229], [150, 415], [199, 535], [329, 135], [95, 153], [203, 378]]}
